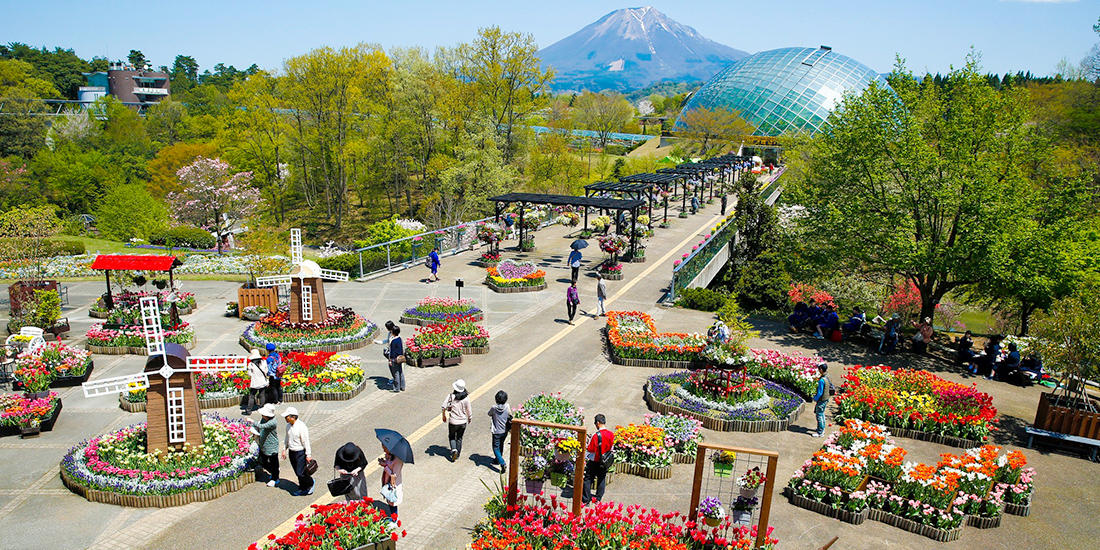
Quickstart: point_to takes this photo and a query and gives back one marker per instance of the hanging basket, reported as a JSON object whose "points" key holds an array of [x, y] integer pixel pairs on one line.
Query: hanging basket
{"points": [[712, 522]]}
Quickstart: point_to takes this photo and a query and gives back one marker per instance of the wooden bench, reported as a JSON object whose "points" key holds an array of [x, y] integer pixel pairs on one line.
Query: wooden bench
{"points": [[1094, 443]]}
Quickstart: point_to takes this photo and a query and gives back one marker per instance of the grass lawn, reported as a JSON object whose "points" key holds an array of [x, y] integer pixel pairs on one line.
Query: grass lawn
{"points": [[978, 322], [104, 246]]}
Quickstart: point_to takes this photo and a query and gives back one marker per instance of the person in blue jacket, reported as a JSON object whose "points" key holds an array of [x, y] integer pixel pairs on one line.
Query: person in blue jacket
{"points": [[855, 322], [799, 315], [821, 398], [830, 321], [433, 264]]}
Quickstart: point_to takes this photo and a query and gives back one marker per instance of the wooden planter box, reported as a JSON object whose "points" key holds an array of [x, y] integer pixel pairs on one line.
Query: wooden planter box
{"points": [[933, 533], [513, 289], [346, 346], [20, 292], [388, 544], [683, 458], [107, 350], [935, 438], [984, 523], [434, 361], [664, 472], [1018, 509], [404, 320], [44, 426], [1066, 420], [654, 363], [486, 263], [855, 518], [479, 350], [61, 381], [612, 275], [717, 424], [267, 297], [160, 501], [98, 314]]}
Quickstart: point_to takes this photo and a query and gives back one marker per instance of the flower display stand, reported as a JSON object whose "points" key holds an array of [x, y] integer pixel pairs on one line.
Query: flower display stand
{"points": [[664, 472], [159, 501], [847, 516], [61, 381], [1066, 420], [348, 346], [612, 275], [388, 544], [936, 438], [984, 523], [939, 535], [265, 297], [420, 322], [235, 401], [487, 263], [513, 289], [653, 363], [717, 424], [422, 362], [44, 426], [1018, 509]]}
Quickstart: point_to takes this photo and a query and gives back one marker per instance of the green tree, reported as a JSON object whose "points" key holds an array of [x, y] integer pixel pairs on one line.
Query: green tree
{"points": [[256, 139], [1068, 339], [75, 178], [184, 73], [24, 234], [713, 129], [137, 59], [602, 113], [479, 174], [165, 121], [129, 211], [918, 181], [62, 68], [22, 130]]}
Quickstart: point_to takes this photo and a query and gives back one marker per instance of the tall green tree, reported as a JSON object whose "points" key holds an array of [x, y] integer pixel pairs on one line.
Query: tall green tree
{"points": [[602, 113], [137, 59], [184, 74], [918, 181]]}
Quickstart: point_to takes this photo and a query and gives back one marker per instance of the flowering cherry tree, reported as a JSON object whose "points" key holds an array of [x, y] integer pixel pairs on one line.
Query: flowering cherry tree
{"points": [[213, 197]]}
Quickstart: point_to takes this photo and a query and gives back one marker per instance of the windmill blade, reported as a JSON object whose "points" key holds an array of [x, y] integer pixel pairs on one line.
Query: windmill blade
{"points": [[296, 246], [333, 275], [151, 329], [115, 385], [307, 303], [215, 363], [273, 280], [177, 424]]}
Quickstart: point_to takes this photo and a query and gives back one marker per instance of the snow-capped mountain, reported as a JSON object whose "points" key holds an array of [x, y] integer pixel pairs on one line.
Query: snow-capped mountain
{"points": [[632, 48]]}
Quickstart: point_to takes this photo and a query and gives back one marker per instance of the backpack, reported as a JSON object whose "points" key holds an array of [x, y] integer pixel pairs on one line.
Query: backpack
{"points": [[605, 459], [428, 262]]}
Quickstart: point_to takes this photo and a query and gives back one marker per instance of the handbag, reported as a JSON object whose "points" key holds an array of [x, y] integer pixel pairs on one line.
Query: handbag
{"points": [[339, 486], [605, 459], [389, 492], [311, 467], [508, 424]]}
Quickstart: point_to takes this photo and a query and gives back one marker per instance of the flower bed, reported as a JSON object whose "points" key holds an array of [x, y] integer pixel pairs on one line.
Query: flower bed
{"points": [[131, 338], [353, 525], [512, 276], [547, 408], [611, 271], [634, 337], [17, 411], [114, 468], [309, 376], [489, 259], [861, 469], [792, 370], [342, 330], [436, 311], [641, 450], [444, 344], [758, 407], [127, 305], [682, 435], [540, 522], [55, 365], [916, 404]]}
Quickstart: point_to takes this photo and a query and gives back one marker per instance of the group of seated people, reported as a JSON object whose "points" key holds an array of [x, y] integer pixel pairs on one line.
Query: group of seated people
{"points": [[994, 363], [824, 321]]}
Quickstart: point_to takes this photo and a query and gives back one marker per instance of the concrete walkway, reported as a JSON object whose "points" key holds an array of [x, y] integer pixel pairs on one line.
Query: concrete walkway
{"points": [[533, 351]]}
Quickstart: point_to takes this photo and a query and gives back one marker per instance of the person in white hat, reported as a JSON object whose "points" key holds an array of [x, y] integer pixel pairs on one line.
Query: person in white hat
{"points": [[458, 405], [297, 448], [257, 371], [268, 431]]}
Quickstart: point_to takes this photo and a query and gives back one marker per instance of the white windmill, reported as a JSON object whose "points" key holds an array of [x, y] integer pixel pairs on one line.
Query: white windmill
{"points": [[307, 291], [172, 404]]}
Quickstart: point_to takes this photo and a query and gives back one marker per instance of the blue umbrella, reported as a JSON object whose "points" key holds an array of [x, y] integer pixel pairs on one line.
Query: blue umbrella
{"points": [[396, 443], [579, 244]]}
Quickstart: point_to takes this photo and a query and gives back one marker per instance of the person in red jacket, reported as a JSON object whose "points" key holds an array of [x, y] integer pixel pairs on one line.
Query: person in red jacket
{"points": [[595, 469]]}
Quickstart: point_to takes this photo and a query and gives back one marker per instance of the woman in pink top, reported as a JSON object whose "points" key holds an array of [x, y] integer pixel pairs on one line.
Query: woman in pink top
{"points": [[458, 405]]}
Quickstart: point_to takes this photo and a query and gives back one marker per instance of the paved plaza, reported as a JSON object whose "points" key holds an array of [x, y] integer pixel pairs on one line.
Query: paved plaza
{"points": [[533, 350]]}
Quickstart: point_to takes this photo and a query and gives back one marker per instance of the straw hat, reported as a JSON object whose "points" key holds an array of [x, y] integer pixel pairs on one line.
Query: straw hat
{"points": [[290, 411], [254, 354], [459, 385], [268, 410]]}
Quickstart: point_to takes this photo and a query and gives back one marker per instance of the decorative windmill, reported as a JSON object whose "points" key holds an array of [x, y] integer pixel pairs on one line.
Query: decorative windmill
{"points": [[172, 404], [307, 291]]}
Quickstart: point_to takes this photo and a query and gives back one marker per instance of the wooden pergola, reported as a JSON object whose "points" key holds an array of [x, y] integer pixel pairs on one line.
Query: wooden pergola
{"points": [[617, 205]]}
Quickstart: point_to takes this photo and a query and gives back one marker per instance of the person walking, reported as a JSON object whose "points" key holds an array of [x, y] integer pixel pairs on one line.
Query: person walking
{"points": [[694, 204], [391, 479], [723, 204], [457, 414], [575, 264], [349, 464], [601, 295], [433, 264], [297, 449], [499, 415], [596, 463], [397, 359], [572, 299], [258, 381], [275, 370], [267, 429], [821, 398]]}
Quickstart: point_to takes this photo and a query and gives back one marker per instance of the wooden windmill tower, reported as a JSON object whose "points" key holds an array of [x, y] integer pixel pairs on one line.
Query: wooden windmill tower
{"points": [[172, 405], [307, 291]]}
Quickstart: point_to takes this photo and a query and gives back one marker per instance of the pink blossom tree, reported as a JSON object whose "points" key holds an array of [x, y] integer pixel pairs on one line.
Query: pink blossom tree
{"points": [[213, 197]]}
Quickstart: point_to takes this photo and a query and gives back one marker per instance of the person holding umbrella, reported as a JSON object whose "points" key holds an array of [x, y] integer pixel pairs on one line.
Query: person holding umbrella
{"points": [[575, 262], [396, 452]]}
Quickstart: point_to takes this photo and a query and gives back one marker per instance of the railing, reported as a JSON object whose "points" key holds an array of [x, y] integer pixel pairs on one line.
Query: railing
{"points": [[150, 91], [685, 273]]}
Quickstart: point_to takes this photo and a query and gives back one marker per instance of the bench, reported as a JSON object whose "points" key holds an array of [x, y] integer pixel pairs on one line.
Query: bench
{"points": [[1094, 443]]}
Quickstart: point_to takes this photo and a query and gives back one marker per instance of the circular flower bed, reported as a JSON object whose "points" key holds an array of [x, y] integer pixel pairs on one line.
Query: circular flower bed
{"points": [[752, 404], [117, 462], [432, 310], [512, 274], [342, 330], [36, 371], [547, 408], [348, 525]]}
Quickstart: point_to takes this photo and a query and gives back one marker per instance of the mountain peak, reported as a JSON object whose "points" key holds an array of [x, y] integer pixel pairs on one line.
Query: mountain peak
{"points": [[632, 48]]}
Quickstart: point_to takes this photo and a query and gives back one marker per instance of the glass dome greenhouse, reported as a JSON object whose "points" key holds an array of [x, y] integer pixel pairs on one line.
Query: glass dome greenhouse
{"points": [[789, 90]]}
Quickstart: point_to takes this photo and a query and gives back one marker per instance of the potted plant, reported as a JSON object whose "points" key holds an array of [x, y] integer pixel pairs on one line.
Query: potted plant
{"points": [[36, 380], [29, 426], [750, 482], [723, 462], [712, 511], [742, 510], [534, 472], [232, 309], [255, 313], [562, 472]]}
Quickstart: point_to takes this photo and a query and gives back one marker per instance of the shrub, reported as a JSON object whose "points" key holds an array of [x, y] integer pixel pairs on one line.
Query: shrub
{"points": [[66, 248], [184, 236], [373, 260], [129, 211], [702, 299], [763, 283]]}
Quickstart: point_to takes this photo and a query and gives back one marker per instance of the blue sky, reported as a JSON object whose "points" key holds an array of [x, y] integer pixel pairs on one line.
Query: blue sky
{"points": [[931, 35]]}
